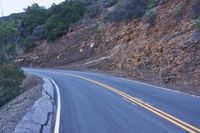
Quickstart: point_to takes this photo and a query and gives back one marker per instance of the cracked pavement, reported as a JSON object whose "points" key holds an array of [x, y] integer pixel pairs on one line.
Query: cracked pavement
{"points": [[39, 118]]}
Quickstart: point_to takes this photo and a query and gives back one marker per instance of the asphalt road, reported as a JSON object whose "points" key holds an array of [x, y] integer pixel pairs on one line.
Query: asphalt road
{"points": [[99, 103]]}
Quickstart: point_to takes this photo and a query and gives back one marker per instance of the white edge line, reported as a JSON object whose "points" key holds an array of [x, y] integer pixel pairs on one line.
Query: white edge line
{"points": [[57, 121]]}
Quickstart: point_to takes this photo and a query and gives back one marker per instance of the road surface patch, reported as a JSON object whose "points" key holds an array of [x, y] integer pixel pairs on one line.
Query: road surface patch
{"points": [[186, 126]]}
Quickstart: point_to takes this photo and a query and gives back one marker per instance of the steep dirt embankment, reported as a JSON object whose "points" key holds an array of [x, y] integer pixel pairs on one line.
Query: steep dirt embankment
{"points": [[166, 53]]}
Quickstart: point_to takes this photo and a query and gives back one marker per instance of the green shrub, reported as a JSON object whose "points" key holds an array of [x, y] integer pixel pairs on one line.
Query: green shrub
{"points": [[8, 44], [4, 58], [127, 10], [11, 51], [55, 27], [61, 17], [35, 15], [195, 8], [11, 77], [150, 17], [178, 13], [27, 43], [7, 33], [150, 4], [10, 74], [198, 22], [56, 19]]}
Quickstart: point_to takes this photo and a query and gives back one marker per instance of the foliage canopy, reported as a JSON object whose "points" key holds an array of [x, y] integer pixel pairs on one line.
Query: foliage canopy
{"points": [[56, 19]]}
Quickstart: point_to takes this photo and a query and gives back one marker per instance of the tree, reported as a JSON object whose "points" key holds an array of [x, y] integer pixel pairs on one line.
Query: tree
{"points": [[35, 15], [127, 10], [11, 75], [61, 17]]}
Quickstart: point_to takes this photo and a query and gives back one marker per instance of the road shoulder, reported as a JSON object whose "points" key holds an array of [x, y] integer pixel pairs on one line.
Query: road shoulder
{"points": [[32, 110], [39, 118]]}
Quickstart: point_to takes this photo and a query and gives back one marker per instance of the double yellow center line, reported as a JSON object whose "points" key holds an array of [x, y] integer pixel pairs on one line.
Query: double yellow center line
{"points": [[166, 116]]}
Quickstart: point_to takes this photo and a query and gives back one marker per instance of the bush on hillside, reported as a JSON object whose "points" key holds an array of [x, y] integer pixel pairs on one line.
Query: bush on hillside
{"points": [[7, 33], [4, 58], [35, 15], [109, 3], [198, 22], [55, 29], [10, 38], [11, 77], [10, 74], [38, 33], [153, 3], [28, 44], [150, 17], [93, 10], [62, 16], [128, 10], [150, 4], [11, 50], [195, 8], [53, 22], [196, 12], [178, 13], [7, 42]]}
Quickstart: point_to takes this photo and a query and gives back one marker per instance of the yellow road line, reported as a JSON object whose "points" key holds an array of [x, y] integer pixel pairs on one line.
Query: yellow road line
{"points": [[152, 109], [157, 113], [166, 114], [163, 116], [174, 118]]}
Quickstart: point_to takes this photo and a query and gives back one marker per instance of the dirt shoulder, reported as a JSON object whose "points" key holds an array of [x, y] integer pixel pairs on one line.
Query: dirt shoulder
{"points": [[12, 112]]}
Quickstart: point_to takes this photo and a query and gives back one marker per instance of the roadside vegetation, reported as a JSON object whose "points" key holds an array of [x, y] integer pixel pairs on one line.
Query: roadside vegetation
{"points": [[11, 75], [55, 21], [19, 31], [196, 12], [126, 10]]}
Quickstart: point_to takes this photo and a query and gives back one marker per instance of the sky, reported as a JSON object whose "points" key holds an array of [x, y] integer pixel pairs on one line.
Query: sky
{"points": [[15, 6]]}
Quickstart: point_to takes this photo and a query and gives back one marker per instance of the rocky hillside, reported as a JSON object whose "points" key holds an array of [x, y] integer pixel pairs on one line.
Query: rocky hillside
{"points": [[158, 43]]}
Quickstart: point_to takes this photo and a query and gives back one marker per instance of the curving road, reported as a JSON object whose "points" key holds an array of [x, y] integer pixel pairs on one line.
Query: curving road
{"points": [[99, 103]]}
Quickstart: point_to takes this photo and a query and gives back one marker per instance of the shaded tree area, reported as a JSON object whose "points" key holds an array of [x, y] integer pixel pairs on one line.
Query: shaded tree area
{"points": [[56, 20], [11, 75], [19, 31], [35, 15]]}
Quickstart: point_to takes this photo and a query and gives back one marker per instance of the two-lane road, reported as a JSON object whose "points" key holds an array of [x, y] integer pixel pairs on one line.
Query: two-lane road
{"points": [[99, 103]]}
